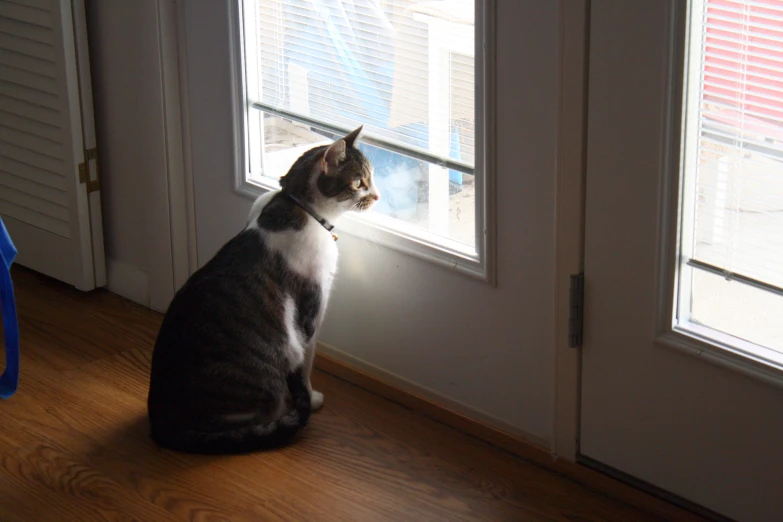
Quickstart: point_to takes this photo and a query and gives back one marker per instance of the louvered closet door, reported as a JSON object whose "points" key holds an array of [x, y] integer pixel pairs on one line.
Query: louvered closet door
{"points": [[48, 201]]}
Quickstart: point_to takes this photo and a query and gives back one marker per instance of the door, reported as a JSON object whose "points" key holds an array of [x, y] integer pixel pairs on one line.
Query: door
{"points": [[49, 188], [468, 322], [681, 367]]}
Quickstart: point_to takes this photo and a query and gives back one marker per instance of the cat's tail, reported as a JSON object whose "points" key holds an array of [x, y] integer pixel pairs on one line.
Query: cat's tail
{"points": [[253, 436]]}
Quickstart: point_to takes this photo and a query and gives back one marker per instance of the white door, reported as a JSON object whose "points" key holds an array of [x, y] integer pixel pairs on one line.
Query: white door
{"points": [[681, 367], [49, 188], [455, 294]]}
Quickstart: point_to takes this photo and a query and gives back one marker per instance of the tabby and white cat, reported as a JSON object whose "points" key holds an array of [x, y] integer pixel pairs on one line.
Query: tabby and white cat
{"points": [[232, 361]]}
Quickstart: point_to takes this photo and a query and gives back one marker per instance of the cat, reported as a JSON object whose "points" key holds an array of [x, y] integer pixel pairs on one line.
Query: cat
{"points": [[232, 361]]}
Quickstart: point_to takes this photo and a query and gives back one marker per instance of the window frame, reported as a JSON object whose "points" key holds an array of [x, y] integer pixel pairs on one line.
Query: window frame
{"points": [[673, 271], [375, 228]]}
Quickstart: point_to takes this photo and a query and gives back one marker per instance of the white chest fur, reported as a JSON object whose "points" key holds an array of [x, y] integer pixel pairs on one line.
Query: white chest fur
{"points": [[310, 252]]}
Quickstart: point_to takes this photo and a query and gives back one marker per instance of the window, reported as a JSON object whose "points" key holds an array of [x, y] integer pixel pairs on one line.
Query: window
{"points": [[731, 223], [406, 70]]}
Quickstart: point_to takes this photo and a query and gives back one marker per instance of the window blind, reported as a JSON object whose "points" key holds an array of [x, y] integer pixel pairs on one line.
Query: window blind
{"points": [[402, 68], [739, 181]]}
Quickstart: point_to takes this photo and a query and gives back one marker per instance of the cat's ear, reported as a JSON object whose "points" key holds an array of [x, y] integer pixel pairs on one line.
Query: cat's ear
{"points": [[350, 139], [333, 156]]}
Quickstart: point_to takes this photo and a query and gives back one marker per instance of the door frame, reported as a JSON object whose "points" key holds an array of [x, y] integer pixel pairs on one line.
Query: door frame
{"points": [[172, 231], [569, 221]]}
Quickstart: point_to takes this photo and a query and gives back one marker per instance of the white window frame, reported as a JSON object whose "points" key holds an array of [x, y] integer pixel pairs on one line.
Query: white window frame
{"points": [[375, 228], [675, 219]]}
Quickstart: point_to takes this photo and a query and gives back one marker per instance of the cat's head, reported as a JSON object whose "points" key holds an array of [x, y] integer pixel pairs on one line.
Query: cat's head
{"points": [[334, 179]]}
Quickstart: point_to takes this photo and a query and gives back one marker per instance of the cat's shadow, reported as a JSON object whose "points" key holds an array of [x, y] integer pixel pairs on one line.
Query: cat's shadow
{"points": [[132, 445]]}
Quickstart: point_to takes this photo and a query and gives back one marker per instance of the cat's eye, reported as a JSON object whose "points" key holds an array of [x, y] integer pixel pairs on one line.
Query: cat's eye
{"points": [[357, 184]]}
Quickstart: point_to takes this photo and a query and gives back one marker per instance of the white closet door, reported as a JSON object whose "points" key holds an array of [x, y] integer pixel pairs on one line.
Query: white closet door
{"points": [[49, 185]]}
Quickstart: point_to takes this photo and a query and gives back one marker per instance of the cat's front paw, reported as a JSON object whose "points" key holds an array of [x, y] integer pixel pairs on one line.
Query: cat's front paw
{"points": [[316, 400]]}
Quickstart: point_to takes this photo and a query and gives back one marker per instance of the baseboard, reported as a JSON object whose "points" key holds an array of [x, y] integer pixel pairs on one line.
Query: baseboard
{"points": [[460, 417], [128, 281]]}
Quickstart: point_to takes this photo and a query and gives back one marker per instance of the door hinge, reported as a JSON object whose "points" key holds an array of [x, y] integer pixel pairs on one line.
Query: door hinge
{"points": [[84, 171], [576, 310]]}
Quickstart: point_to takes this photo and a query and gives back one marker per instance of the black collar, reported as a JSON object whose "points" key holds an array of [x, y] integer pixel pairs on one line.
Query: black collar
{"points": [[324, 223]]}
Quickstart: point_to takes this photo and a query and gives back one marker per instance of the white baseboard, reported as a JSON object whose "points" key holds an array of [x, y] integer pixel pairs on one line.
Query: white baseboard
{"points": [[128, 281]]}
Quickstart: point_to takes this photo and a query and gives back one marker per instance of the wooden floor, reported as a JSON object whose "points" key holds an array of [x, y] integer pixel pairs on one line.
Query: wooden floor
{"points": [[74, 444]]}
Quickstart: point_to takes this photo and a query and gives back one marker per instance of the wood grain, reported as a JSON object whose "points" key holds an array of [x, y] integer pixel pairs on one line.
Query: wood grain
{"points": [[74, 444]]}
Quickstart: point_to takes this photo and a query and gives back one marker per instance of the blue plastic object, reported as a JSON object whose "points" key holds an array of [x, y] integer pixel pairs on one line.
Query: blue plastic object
{"points": [[9, 381]]}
